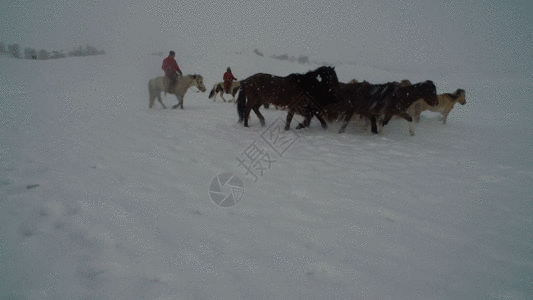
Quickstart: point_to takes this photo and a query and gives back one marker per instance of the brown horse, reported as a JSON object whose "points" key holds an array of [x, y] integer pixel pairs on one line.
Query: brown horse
{"points": [[304, 94], [375, 101]]}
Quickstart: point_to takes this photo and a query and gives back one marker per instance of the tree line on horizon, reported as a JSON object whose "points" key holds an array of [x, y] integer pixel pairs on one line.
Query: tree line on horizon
{"points": [[301, 59], [14, 50]]}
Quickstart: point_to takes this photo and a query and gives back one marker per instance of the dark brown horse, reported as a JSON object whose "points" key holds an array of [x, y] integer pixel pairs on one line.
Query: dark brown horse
{"points": [[304, 94], [375, 101]]}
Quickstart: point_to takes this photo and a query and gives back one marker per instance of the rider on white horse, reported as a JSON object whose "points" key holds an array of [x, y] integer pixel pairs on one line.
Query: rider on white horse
{"points": [[170, 66]]}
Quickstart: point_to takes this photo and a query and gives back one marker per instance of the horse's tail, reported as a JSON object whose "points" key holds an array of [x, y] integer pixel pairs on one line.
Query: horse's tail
{"points": [[212, 91], [241, 102]]}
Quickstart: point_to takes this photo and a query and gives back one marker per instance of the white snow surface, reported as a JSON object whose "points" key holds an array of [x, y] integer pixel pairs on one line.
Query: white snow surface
{"points": [[104, 198]]}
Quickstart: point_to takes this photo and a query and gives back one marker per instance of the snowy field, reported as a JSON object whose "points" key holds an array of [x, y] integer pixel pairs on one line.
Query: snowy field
{"points": [[103, 198]]}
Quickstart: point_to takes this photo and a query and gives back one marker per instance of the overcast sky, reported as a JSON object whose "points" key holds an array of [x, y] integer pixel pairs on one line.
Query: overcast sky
{"points": [[493, 33]]}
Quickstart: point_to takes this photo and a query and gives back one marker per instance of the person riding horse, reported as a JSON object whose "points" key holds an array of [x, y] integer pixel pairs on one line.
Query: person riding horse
{"points": [[228, 79], [170, 66]]}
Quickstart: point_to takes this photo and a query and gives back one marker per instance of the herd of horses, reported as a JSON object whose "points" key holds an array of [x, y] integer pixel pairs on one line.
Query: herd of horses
{"points": [[318, 93]]}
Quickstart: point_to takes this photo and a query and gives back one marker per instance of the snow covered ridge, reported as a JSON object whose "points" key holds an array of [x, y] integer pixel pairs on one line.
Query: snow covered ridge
{"points": [[103, 198]]}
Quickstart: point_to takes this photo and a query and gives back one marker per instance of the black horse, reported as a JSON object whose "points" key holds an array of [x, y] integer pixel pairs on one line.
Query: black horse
{"points": [[375, 101], [304, 94]]}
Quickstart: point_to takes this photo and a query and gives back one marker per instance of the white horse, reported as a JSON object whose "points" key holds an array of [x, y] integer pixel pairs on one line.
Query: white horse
{"points": [[219, 88], [446, 103], [160, 84]]}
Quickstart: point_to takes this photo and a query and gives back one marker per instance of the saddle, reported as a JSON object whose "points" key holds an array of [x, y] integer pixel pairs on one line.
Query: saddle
{"points": [[169, 88], [171, 83], [227, 86]]}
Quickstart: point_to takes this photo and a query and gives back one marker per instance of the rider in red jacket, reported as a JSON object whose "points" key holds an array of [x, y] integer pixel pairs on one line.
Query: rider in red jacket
{"points": [[228, 79], [170, 66]]}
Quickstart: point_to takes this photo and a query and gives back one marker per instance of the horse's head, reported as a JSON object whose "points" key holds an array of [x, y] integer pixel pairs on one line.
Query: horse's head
{"points": [[461, 94], [429, 93], [328, 76], [405, 83], [199, 82], [329, 82]]}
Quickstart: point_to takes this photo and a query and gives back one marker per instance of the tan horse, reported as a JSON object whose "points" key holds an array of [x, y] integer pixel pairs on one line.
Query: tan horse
{"points": [[218, 88], [160, 84], [446, 103]]}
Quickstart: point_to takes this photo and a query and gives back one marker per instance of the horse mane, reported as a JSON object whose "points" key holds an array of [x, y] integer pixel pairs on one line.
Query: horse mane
{"points": [[321, 69], [317, 71], [426, 84], [455, 94], [309, 81]]}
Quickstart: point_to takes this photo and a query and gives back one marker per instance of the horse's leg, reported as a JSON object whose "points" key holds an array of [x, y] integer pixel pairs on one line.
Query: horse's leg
{"points": [[259, 115], [347, 118], [411, 111], [445, 116], [307, 120], [317, 115], [386, 120], [180, 102], [222, 96], [322, 122], [417, 112], [160, 100], [152, 100], [411, 128], [180, 99], [176, 105], [247, 115], [290, 114], [374, 126], [409, 119]]}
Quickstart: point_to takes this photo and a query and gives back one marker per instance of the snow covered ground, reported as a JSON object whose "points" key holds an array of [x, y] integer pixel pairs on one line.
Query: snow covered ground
{"points": [[103, 198]]}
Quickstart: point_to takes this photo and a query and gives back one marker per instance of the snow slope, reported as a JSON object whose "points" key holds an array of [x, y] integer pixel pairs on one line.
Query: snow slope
{"points": [[103, 198]]}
